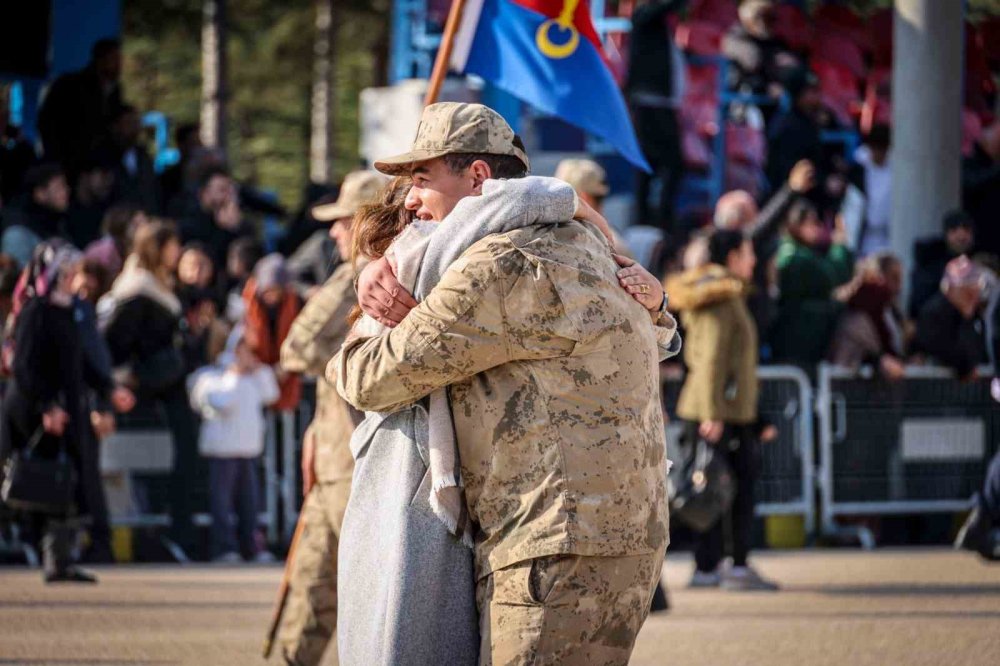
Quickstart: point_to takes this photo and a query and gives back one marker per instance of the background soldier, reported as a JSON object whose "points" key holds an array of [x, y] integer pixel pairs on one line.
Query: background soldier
{"points": [[310, 617]]}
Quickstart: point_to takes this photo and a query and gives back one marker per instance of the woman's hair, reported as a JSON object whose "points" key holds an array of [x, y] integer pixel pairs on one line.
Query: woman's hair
{"points": [[800, 212], [722, 242], [377, 224], [148, 244], [118, 219]]}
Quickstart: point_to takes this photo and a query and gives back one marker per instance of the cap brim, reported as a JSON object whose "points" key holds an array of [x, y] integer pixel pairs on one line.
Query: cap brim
{"points": [[401, 165], [330, 212]]}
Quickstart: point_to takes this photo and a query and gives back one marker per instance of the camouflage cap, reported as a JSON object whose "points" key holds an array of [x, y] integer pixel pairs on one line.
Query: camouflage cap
{"points": [[586, 176], [360, 187], [454, 127]]}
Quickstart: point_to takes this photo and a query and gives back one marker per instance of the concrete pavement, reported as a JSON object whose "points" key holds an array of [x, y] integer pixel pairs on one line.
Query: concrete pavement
{"points": [[843, 608]]}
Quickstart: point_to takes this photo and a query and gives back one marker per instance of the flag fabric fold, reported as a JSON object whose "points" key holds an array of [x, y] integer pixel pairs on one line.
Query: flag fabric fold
{"points": [[547, 53]]}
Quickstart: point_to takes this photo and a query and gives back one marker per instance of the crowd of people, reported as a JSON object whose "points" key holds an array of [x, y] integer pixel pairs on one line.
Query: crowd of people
{"points": [[120, 287]]}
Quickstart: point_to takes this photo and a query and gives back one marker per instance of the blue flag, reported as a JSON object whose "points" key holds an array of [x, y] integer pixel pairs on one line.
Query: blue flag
{"points": [[547, 53]]}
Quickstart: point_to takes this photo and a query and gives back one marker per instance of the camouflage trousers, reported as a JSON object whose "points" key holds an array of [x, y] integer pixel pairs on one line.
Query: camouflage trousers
{"points": [[310, 616], [566, 609]]}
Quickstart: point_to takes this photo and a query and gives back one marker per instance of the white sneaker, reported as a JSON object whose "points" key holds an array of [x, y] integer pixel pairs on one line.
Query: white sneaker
{"points": [[228, 558], [265, 557], [746, 579], [704, 579]]}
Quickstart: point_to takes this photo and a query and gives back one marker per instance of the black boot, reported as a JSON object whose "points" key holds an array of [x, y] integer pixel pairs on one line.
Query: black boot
{"points": [[72, 574]]}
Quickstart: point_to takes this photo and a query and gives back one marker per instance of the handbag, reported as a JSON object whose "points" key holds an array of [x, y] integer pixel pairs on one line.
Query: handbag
{"points": [[160, 370], [36, 483], [702, 488]]}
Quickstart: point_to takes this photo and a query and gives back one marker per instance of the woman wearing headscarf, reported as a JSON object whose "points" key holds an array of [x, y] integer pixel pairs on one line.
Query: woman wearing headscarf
{"points": [[45, 408]]}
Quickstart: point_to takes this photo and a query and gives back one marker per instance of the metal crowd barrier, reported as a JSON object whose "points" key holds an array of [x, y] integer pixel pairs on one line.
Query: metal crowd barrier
{"points": [[916, 446], [786, 482]]}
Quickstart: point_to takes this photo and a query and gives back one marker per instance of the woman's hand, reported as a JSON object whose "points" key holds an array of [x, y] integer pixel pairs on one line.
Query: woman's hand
{"points": [[381, 296], [711, 431], [586, 212], [55, 420], [639, 282]]}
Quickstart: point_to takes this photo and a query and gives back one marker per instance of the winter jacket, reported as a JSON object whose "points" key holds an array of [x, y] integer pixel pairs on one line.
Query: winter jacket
{"points": [[949, 338], [232, 409], [807, 312], [720, 348], [930, 256], [265, 337], [140, 318]]}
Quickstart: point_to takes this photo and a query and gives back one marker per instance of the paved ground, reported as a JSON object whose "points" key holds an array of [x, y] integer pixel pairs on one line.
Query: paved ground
{"points": [[843, 608]]}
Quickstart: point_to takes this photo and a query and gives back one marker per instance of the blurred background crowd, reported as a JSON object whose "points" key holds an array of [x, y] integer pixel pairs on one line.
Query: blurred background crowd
{"points": [[177, 274]]}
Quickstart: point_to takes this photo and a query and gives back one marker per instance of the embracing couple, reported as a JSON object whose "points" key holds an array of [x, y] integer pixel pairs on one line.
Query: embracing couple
{"points": [[509, 496]]}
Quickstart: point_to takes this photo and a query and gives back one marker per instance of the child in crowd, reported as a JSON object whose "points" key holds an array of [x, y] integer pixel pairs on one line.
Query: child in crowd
{"points": [[231, 397], [203, 332]]}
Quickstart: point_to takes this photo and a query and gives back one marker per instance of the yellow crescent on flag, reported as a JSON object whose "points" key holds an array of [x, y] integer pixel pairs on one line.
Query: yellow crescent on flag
{"points": [[563, 23]]}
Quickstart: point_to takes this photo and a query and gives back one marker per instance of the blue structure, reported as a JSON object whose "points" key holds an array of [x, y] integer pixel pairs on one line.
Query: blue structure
{"points": [[74, 27]]}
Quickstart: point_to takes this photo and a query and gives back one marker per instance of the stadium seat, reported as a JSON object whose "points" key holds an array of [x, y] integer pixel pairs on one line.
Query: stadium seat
{"points": [[841, 20], [721, 12], [880, 34], [836, 47], [989, 30], [702, 80], [972, 129], [701, 114], [793, 26], [838, 88], [699, 38], [746, 145]]}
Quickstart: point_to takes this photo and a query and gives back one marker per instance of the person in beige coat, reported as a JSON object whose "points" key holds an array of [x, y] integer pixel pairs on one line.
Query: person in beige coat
{"points": [[719, 399]]}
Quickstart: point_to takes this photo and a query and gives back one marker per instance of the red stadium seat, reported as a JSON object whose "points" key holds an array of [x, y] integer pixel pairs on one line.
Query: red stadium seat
{"points": [[701, 115], [835, 47], [702, 81], [838, 88], [746, 145], [699, 37], [880, 35], [842, 20], [989, 30], [720, 12], [695, 150], [793, 26], [972, 129]]}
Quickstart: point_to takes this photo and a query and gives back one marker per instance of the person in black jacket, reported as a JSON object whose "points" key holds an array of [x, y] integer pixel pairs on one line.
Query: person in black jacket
{"points": [[654, 88], [45, 407], [77, 108], [759, 58], [950, 329], [931, 255], [795, 134], [141, 320], [213, 216]]}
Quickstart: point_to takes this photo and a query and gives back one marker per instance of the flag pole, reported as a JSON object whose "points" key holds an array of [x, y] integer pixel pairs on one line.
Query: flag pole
{"points": [[444, 51]]}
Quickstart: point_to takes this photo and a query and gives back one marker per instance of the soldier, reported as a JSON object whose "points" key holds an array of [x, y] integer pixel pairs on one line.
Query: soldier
{"points": [[552, 370], [310, 617], [590, 181]]}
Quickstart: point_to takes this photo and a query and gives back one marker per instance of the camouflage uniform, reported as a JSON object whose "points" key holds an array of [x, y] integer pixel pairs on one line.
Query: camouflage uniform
{"points": [[553, 375], [310, 617]]}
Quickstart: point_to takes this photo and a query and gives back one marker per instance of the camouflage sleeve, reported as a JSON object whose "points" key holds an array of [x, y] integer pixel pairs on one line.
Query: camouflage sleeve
{"points": [[321, 327], [456, 332]]}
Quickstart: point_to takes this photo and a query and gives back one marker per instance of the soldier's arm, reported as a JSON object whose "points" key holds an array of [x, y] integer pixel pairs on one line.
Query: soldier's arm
{"points": [[458, 331], [321, 327]]}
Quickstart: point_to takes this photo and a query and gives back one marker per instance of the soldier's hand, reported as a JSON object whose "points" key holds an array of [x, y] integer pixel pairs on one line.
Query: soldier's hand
{"points": [[381, 296], [308, 461]]}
